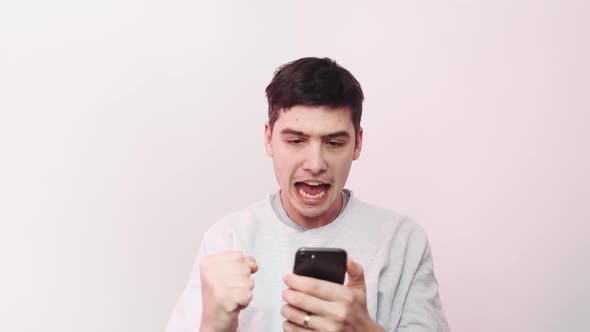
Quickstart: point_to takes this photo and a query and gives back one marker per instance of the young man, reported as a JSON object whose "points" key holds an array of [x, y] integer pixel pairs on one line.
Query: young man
{"points": [[242, 279]]}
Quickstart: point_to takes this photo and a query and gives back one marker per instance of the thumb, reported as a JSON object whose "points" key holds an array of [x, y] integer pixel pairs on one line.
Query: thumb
{"points": [[356, 275]]}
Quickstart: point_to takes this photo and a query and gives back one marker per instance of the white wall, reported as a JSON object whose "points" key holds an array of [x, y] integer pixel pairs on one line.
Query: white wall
{"points": [[128, 127]]}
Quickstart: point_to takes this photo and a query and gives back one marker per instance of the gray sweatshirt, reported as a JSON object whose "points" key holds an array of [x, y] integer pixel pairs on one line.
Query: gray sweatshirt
{"points": [[402, 292]]}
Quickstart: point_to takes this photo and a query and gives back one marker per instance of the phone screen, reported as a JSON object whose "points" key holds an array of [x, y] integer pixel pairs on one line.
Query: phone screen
{"points": [[321, 263]]}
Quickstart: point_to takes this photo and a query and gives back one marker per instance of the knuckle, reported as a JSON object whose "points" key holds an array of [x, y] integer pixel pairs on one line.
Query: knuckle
{"points": [[287, 312], [292, 298], [362, 272], [244, 269], [229, 306], [333, 328], [247, 298], [312, 287], [348, 297], [339, 320], [250, 259], [237, 255], [251, 283], [241, 298], [296, 298], [340, 315]]}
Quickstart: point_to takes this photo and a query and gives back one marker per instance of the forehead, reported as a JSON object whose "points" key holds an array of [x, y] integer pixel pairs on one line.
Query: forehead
{"points": [[319, 120]]}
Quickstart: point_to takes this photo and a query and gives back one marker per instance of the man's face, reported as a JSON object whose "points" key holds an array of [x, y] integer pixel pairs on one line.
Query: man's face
{"points": [[312, 148]]}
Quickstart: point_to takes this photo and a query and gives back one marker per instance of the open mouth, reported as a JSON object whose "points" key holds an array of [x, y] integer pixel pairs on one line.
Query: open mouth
{"points": [[312, 190]]}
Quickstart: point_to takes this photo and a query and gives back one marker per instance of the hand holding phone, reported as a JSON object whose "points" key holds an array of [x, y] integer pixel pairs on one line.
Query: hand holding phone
{"points": [[327, 264]]}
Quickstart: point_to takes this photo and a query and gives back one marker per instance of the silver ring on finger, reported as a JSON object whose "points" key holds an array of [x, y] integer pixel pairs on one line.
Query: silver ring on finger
{"points": [[306, 321]]}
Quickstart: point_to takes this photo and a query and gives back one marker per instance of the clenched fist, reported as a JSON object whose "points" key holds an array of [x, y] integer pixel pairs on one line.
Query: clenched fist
{"points": [[226, 288]]}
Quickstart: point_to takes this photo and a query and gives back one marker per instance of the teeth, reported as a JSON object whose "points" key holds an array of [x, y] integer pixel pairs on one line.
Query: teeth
{"points": [[308, 196], [313, 183]]}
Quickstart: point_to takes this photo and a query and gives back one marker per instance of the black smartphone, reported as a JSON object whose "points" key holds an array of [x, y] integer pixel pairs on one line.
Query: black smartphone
{"points": [[321, 263]]}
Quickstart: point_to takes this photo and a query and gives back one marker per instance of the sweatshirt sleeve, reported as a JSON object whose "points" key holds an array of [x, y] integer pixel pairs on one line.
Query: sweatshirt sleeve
{"points": [[186, 316], [422, 310]]}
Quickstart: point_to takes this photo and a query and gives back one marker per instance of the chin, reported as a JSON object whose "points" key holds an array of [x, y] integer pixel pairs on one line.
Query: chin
{"points": [[311, 211]]}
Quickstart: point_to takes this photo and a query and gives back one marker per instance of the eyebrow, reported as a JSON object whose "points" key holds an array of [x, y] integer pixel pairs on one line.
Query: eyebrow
{"points": [[289, 131]]}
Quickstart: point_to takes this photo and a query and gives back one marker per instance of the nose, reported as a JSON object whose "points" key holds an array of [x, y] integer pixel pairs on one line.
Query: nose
{"points": [[314, 162]]}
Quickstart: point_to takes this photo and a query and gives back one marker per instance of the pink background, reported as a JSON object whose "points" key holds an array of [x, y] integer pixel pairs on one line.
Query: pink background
{"points": [[128, 127]]}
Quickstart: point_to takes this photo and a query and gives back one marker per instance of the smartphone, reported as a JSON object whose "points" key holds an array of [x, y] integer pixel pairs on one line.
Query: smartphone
{"points": [[321, 263]]}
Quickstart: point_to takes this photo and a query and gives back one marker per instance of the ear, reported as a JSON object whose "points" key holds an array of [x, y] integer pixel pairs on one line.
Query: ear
{"points": [[358, 144], [268, 139]]}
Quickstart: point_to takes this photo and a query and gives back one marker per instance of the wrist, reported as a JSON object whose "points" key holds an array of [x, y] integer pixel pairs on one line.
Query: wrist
{"points": [[205, 327]]}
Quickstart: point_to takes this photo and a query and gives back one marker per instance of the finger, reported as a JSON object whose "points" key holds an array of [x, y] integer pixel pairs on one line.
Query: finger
{"points": [[297, 317], [241, 297], [241, 282], [322, 289], [307, 303], [228, 269], [291, 327], [356, 275], [294, 315], [252, 264], [230, 255]]}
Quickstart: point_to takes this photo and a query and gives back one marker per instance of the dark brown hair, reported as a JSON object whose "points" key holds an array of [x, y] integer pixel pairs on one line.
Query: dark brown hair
{"points": [[314, 82]]}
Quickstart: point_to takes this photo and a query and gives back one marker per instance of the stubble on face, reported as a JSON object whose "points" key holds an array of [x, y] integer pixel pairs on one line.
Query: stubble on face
{"points": [[313, 149]]}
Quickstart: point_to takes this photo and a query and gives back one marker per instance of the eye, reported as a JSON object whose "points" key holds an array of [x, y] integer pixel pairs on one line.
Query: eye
{"points": [[334, 144], [295, 141]]}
